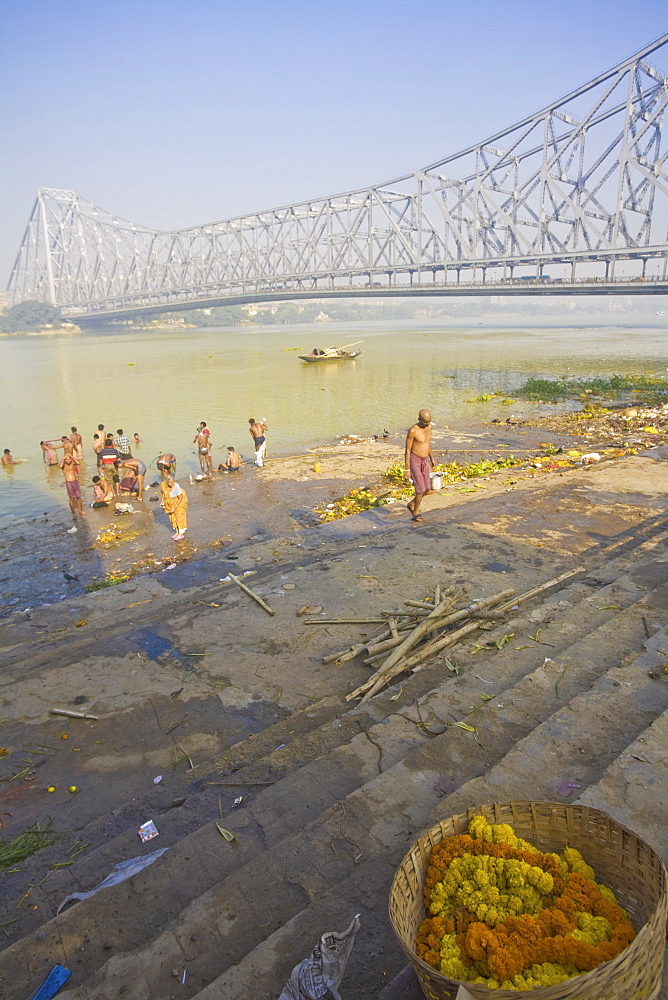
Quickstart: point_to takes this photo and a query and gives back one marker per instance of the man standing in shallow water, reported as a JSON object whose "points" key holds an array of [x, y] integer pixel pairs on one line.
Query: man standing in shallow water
{"points": [[419, 461], [72, 485]]}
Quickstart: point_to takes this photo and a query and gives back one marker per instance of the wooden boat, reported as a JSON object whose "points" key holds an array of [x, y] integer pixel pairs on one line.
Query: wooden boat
{"points": [[332, 354]]}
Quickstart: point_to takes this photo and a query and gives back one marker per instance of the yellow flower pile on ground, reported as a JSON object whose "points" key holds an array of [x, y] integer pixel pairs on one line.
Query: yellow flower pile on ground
{"points": [[507, 916]]}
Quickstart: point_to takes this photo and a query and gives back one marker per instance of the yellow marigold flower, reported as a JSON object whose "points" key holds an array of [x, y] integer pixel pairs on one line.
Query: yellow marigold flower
{"points": [[592, 929], [480, 829], [576, 863], [550, 973], [503, 833], [606, 892]]}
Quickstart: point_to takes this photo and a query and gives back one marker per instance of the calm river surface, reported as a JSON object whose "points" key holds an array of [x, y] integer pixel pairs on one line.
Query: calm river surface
{"points": [[162, 383]]}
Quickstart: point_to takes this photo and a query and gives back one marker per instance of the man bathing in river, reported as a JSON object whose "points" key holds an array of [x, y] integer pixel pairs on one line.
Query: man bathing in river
{"points": [[419, 461], [71, 473], [49, 451], [7, 458], [77, 442], [203, 439], [106, 462], [232, 461], [258, 433], [139, 469]]}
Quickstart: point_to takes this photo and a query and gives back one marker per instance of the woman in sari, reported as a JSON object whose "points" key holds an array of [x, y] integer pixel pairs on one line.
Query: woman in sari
{"points": [[175, 502]]}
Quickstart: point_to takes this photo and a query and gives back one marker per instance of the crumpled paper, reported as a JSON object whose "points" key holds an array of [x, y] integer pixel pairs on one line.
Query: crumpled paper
{"points": [[318, 977]]}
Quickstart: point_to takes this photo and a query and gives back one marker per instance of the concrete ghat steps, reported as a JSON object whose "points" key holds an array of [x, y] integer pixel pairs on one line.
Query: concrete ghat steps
{"points": [[389, 742], [381, 815], [392, 733], [250, 979], [282, 748]]}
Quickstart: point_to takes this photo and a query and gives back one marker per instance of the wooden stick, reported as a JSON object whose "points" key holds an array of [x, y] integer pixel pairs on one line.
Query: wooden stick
{"points": [[437, 598], [251, 593], [429, 605], [414, 612], [411, 640], [434, 647], [371, 644], [73, 715], [393, 628], [510, 605], [350, 654], [344, 621], [397, 658], [378, 649]]}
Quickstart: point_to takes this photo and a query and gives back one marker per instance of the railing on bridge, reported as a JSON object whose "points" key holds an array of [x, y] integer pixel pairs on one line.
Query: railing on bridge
{"points": [[573, 198]]}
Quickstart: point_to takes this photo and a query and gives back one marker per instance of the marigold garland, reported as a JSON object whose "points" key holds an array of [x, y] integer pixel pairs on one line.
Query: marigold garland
{"points": [[507, 916]]}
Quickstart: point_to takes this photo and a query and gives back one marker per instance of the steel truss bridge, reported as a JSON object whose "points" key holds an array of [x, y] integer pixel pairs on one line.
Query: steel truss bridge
{"points": [[573, 199]]}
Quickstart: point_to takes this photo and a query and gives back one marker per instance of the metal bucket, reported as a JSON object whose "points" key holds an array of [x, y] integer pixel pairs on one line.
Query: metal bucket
{"points": [[436, 481]]}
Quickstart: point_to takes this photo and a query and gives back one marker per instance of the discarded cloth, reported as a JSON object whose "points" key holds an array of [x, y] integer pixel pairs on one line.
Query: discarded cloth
{"points": [[318, 977]]}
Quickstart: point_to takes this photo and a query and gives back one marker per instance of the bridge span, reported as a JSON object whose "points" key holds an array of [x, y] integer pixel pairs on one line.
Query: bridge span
{"points": [[570, 200]]}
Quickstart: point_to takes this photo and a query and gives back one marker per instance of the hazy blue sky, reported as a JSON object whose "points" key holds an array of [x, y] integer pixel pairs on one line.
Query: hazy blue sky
{"points": [[176, 112]]}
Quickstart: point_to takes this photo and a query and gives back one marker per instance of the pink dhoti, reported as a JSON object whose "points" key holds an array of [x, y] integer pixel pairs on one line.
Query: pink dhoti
{"points": [[420, 470]]}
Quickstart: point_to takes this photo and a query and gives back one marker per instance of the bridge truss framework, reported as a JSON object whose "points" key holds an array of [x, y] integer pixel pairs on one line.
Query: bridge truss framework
{"points": [[571, 199]]}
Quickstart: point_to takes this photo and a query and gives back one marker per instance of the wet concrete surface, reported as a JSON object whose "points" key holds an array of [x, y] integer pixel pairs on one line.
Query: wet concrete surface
{"points": [[40, 563], [179, 667]]}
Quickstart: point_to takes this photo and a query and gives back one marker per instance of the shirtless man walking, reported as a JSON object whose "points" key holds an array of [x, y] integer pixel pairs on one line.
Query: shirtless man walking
{"points": [[419, 461], [72, 485]]}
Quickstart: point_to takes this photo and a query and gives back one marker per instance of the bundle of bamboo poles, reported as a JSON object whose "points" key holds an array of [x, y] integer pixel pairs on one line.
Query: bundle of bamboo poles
{"points": [[420, 632]]}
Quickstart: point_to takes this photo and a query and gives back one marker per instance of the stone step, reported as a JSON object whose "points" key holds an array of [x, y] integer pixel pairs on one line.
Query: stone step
{"points": [[391, 734], [367, 761], [634, 788], [382, 815], [350, 766], [269, 755], [262, 971], [574, 746]]}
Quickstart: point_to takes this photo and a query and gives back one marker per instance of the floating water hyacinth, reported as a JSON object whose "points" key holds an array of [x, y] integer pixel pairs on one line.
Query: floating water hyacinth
{"points": [[509, 917]]}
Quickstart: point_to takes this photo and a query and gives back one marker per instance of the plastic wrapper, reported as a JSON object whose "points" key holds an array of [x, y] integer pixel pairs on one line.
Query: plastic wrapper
{"points": [[119, 873], [318, 977]]}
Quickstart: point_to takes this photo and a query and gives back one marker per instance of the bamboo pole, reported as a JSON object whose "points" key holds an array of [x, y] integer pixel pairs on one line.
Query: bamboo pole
{"points": [[377, 651], [72, 715], [434, 647], [251, 593], [371, 644], [556, 581], [414, 637], [344, 621], [350, 654], [395, 663]]}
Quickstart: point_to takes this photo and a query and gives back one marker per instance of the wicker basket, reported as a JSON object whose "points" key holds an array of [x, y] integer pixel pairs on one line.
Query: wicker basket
{"points": [[620, 859]]}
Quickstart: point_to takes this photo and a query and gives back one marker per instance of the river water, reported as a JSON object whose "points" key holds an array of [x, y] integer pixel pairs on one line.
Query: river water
{"points": [[162, 383]]}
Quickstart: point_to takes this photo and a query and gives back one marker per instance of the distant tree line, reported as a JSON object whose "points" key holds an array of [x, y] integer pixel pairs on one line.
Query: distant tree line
{"points": [[28, 316], [347, 311]]}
